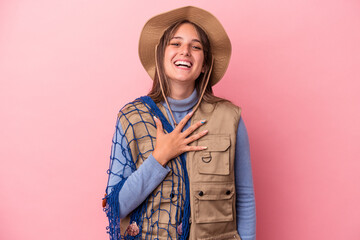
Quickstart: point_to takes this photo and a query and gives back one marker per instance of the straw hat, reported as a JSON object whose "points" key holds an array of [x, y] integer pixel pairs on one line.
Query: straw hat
{"points": [[156, 26]]}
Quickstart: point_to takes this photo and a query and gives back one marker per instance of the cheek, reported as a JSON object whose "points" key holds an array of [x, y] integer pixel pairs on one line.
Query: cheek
{"points": [[167, 57], [168, 53], [201, 61]]}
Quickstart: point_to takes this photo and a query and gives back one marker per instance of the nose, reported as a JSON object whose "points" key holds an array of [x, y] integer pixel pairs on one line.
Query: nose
{"points": [[185, 50]]}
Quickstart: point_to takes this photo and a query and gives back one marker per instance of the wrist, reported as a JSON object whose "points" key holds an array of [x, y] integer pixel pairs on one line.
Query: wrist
{"points": [[159, 158]]}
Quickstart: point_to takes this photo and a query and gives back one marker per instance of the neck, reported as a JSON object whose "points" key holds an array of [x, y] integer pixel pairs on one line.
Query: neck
{"points": [[183, 104], [181, 90]]}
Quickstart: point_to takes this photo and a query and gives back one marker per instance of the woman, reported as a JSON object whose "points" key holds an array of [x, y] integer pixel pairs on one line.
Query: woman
{"points": [[180, 166]]}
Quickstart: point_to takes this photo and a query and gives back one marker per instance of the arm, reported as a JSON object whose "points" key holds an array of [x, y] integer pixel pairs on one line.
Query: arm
{"points": [[139, 183], [245, 200]]}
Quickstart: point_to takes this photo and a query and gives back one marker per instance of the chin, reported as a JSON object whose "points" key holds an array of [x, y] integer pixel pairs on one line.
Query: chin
{"points": [[184, 80]]}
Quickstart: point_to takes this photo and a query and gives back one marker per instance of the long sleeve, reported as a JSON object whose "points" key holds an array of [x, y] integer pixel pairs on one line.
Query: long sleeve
{"points": [[245, 200], [139, 183]]}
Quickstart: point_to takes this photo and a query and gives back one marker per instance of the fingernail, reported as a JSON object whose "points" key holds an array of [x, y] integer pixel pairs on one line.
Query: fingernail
{"points": [[204, 148], [203, 121], [155, 118], [205, 131], [191, 113]]}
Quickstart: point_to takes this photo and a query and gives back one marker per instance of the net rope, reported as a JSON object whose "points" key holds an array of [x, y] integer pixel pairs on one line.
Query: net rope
{"points": [[174, 206]]}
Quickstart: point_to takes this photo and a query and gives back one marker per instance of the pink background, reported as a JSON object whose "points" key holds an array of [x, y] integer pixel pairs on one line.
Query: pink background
{"points": [[66, 68]]}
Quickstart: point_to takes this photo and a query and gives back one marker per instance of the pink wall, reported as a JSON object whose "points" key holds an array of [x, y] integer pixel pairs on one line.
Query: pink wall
{"points": [[66, 67]]}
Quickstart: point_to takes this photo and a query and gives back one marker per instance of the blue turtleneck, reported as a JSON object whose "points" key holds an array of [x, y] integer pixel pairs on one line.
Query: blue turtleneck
{"points": [[150, 174]]}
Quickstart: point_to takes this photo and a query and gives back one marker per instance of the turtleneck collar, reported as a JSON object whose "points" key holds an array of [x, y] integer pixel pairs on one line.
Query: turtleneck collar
{"points": [[182, 104]]}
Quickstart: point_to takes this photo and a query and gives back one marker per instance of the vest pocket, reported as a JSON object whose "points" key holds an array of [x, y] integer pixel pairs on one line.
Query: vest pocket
{"points": [[214, 202], [159, 221], [234, 235], [215, 159], [162, 205]]}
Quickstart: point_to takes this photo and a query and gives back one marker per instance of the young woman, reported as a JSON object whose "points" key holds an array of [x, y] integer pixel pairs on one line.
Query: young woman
{"points": [[180, 165]]}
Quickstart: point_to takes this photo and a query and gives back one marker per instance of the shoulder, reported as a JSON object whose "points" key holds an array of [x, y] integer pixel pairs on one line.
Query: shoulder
{"points": [[133, 113], [222, 111], [133, 108], [228, 107], [135, 118]]}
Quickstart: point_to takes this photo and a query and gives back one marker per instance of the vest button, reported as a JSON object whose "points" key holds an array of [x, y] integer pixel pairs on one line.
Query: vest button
{"points": [[201, 193], [172, 195], [228, 192]]}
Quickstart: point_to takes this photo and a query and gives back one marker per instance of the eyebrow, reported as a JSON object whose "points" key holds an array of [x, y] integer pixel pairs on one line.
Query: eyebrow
{"points": [[193, 40]]}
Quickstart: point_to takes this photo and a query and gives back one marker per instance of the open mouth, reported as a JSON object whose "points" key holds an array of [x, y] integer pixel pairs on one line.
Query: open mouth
{"points": [[184, 64]]}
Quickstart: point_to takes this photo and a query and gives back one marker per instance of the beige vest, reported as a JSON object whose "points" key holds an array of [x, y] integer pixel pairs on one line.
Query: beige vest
{"points": [[211, 173]]}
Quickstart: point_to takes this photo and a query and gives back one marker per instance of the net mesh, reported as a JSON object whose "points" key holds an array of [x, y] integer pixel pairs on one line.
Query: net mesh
{"points": [[166, 211]]}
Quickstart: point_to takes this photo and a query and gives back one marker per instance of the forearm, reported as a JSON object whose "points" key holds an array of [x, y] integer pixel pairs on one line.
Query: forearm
{"points": [[140, 184], [246, 214]]}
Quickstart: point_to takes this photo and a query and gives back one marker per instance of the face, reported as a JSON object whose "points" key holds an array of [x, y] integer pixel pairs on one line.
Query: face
{"points": [[184, 55]]}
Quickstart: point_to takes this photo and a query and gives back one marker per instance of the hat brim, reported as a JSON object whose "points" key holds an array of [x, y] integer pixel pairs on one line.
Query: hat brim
{"points": [[156, 26]]}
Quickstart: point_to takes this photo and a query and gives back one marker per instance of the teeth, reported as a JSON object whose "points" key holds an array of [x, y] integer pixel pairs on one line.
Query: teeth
{"points": [[183, 63]]}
